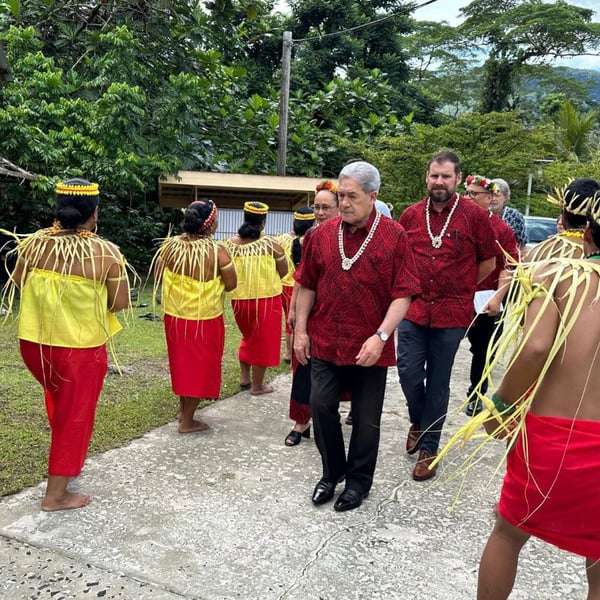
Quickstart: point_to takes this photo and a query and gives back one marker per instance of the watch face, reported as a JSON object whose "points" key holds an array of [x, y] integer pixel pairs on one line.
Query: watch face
{"points": [[383, 336]]}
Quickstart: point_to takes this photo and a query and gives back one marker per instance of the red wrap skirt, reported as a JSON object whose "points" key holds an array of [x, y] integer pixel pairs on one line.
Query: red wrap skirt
{"points": [[195, 350], [551, 488], [260, 324], [72, 379]]}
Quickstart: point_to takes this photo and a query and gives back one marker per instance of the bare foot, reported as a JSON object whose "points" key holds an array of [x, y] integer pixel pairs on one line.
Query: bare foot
{"points": [[263, 389], [195, 426], [65, 502]]}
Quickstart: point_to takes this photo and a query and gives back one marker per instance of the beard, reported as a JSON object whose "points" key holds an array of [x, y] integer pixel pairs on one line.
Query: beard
{"points": [[440, 194]]}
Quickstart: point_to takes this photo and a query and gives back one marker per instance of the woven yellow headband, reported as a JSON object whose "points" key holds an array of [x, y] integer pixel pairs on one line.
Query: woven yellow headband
{"points": [[595, 209], [65, 189], [309, 216], [575, 204], [256, 208]]}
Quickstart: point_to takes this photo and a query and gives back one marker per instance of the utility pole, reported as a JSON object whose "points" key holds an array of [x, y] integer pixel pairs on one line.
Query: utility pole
{"points": [[284, 101]]}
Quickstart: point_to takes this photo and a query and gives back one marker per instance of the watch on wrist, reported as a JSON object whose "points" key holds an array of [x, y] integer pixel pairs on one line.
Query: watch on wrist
{"points": [[383, 336]]}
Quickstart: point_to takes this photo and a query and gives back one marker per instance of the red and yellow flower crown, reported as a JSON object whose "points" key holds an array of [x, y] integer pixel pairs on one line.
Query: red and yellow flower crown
{"points": [[69, 189], [256, 208], [328, 185], [483, 182]]}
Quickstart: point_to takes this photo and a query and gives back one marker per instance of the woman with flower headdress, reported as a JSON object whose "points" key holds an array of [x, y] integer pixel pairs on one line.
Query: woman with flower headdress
{"points": [[72, 282], [260, 264], [548, 407], [194, 272], [574, 200]]}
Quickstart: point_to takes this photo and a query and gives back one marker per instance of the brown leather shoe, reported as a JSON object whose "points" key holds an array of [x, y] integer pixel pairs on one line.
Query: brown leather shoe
{"points": [[421, 472], [412, 440]]}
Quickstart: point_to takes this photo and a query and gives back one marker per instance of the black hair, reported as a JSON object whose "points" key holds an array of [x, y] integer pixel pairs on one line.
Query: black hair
{"points": [[72, 209], [301, 226], [196, 214], [253, 223], [580, 192]]}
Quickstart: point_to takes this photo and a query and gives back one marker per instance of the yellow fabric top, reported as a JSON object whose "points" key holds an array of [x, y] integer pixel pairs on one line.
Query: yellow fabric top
{"points": [[257, 275], [65, 310], [285, 241], [187, 298]]}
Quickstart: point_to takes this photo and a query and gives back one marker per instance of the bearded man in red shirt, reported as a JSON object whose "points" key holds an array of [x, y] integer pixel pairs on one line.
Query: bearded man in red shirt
{"points": [[454, 248], [355, 284]]}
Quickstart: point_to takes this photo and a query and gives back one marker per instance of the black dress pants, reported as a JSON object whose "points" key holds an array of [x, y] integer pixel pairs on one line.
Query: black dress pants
{"points": [[367, 388], [480, 334]]}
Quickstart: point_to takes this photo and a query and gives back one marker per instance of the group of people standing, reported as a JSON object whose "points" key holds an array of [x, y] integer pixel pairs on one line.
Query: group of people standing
{"points": [[358, 278]]}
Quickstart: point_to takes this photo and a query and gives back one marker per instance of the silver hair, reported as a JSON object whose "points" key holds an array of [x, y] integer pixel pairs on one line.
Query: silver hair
{"points": [[503, 187], [365, 173]]}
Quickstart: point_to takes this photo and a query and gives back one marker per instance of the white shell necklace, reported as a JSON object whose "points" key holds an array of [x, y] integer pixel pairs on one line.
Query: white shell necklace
{"points": [[436, 240], [348, 262]]}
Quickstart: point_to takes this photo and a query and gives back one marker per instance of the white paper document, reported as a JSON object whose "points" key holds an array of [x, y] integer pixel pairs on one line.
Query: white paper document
{"points": [[481, 299]]}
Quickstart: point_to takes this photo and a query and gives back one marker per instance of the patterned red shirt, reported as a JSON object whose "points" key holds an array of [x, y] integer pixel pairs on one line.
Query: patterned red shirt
{"points": [[350, 305], [505, 240], [448, 274]]}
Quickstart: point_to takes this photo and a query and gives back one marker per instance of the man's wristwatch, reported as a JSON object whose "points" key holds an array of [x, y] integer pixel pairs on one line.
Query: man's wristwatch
{"points": [[383, 336]]}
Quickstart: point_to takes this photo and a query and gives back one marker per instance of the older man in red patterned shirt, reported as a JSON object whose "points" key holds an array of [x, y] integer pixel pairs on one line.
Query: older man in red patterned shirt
{"points": [[356, 281], [454, 247]]}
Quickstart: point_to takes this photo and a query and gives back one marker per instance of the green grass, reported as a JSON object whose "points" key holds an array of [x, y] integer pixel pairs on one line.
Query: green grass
{"points": [[131, 404]]}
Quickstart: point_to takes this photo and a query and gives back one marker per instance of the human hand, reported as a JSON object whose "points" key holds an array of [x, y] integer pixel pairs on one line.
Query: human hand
{"points": [[302, 347], [370, 351]]}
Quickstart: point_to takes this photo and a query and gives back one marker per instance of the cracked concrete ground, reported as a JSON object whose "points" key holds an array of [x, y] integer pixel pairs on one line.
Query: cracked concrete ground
{"points": [[226, 514]]}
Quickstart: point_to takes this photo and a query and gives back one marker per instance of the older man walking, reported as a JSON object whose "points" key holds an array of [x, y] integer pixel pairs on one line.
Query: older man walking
{"points": [[356, 281]]}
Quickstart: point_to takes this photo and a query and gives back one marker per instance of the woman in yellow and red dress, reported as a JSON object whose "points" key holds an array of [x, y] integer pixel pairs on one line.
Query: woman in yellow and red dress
{"points": [[194, 272], [71, 282], [260, 264]]}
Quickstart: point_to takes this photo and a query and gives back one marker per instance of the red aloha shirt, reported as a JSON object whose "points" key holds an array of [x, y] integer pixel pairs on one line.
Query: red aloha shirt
{"points": [[448, 274], [505, 242], [350, 305]]}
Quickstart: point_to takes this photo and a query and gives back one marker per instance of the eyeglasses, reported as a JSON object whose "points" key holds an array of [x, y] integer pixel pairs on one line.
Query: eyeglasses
{"points": [[473, 194], [323, 207]]}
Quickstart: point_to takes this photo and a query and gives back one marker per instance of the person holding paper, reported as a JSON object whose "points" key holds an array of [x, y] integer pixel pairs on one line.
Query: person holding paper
{"points": [[488, 303]]}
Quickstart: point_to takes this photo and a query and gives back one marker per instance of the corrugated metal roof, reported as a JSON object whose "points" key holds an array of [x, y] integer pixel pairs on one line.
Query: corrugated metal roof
{"points": [[278, 222]]}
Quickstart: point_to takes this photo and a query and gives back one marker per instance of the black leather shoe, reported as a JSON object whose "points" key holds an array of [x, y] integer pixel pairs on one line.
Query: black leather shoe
{"points": [[324, 491], [349, 499]]}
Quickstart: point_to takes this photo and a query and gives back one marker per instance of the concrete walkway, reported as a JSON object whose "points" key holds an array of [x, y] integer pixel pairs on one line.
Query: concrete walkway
{"points": [[226, 514]]}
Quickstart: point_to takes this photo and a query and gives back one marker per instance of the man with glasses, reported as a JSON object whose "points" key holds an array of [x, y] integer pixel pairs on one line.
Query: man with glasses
{"points": [[454, 248], [487, 312]]}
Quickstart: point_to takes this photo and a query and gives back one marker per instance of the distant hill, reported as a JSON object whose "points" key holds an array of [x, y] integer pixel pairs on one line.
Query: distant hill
{"points": [[589, 77]]}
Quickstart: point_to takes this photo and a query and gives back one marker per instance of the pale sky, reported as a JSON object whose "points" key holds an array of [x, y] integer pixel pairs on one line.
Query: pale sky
{"points": [[447, 10]]}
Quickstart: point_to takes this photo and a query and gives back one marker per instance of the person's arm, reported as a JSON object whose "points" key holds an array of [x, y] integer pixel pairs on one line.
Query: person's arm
{"points": [[117, 282], [539, 332], [305, 299], [373, 346], [226, 269], [280, 260], [291, 320], [485, 267], [492, 306], [18, 272], [117, 285]]}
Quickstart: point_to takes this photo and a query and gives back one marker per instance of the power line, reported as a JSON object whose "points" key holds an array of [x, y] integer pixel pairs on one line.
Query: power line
{"points": [[364, 25]]}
